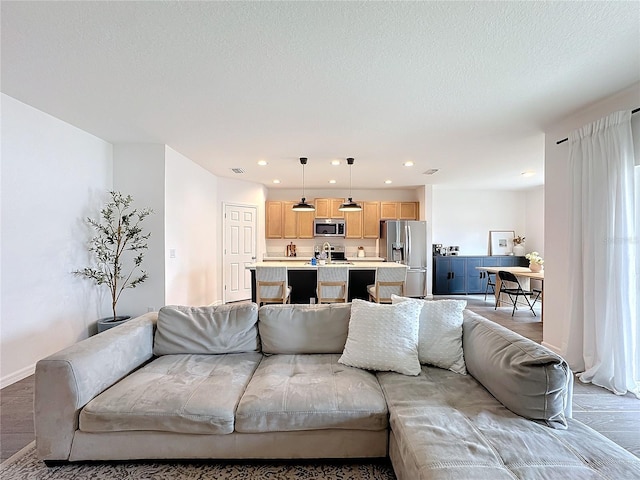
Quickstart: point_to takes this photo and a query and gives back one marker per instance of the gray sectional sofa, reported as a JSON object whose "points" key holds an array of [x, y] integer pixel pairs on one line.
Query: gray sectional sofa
{"points": [[238, 382]]}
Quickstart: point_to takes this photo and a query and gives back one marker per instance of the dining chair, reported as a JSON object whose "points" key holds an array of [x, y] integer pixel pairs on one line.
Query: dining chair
{"points": [[332, 284], [388, 281], [514, 292], [491, 283], [272, 285]]}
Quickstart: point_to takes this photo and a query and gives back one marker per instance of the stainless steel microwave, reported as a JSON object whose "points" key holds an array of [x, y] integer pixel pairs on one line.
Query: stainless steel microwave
{"points": [[328, 227]]}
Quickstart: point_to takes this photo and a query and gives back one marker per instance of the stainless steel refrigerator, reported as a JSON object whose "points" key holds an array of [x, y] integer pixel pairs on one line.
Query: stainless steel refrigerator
{"points": [[405, 241]]}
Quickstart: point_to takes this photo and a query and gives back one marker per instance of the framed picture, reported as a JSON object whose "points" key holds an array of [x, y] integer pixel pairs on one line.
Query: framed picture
{"points": [[501, 242]]}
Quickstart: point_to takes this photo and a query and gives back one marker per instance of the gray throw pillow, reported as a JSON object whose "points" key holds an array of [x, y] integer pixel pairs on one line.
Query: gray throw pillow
{"points": [[207, 330], [527, 378]]}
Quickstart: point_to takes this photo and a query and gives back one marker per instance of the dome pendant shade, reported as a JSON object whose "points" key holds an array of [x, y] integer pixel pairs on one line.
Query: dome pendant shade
{"points": [[303, 206], [350, 205]]}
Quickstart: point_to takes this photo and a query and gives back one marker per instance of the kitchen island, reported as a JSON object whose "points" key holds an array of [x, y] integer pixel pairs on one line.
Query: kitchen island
{"points": [[302, 277]]}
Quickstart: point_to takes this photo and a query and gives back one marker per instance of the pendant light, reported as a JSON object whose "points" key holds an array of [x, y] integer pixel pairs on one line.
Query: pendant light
{"points": [[303, 206], [350, 205]]}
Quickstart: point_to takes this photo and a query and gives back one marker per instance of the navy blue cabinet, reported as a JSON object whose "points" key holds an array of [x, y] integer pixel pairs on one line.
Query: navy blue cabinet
{"points": [[458, 275]]}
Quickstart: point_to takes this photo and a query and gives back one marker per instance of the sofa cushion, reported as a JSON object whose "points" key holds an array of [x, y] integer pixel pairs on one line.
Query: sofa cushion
{"points": [[310, 392], [383, 337], [174, 393], [440, 333], [292, 329], [447, 426], [207, 330], [526, 377]]}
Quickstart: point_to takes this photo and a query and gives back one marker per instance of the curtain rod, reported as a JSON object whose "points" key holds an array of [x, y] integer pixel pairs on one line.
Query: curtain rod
{"points": [[566, 139]]}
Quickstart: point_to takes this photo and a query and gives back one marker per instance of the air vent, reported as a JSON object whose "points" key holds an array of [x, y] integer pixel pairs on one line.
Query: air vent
{"points": [[431, 171], [237, 170]]}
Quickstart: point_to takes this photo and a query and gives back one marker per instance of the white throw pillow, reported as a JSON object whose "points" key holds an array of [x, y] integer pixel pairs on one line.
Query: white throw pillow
{"points": [[383, 337], [440, 333]]}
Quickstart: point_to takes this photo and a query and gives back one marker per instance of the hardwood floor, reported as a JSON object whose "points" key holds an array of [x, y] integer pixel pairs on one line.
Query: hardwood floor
{"points": [[616, 417]]}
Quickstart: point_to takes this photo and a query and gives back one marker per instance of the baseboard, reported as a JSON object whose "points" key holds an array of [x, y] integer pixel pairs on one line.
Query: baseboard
{"points": [[17, 376]]}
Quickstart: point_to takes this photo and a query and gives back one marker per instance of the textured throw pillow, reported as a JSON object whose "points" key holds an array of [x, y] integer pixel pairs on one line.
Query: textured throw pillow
{"points": [[383, 337], [440, 333]]}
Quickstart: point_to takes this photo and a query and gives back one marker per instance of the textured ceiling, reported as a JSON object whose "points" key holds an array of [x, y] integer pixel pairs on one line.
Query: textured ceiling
{"points": [[464, 87]]}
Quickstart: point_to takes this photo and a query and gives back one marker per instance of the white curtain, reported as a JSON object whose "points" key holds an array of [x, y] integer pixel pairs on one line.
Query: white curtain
{"points": [[603, 293]]}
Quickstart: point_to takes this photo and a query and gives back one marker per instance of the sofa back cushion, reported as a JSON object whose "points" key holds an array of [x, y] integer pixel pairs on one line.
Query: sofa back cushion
{"points": [[527, 378], [207, 330], [299, 329]]}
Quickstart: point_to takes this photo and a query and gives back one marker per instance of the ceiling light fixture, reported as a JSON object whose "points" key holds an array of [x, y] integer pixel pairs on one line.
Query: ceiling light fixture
{"points": [[528, 173], [262, 163], [388, 182], [335, 162], [332, 181], [350, 205], [408, 163], [303, 206], [276, 181]]}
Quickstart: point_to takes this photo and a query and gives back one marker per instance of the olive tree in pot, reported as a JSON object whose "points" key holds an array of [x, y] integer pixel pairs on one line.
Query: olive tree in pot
{"points": [[118, 248]]}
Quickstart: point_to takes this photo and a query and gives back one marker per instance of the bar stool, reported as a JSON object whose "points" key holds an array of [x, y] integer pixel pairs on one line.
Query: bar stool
{"points": [[272, 285], [389, 281], [332, 284]]}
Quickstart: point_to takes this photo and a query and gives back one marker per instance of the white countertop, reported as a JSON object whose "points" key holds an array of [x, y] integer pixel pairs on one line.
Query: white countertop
{"points": [[305, 265], [300, 257]]}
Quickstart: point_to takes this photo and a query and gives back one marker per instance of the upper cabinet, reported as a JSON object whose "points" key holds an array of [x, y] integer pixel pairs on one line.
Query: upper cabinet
{"points": [[273, 221], [398, 210], [364, 224], [283, 222], [328, 207], [370, 219]]}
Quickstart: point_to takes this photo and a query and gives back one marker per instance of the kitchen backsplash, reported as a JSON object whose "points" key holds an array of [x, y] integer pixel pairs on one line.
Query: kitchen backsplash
{"points": [[304, 247]]}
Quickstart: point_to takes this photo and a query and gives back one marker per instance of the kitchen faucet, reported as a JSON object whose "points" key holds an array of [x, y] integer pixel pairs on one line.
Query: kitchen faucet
{"points": [[326, 246]]}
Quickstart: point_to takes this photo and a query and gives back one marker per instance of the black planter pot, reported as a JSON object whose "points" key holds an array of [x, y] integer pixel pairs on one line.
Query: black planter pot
{"points": [[109, 322]]}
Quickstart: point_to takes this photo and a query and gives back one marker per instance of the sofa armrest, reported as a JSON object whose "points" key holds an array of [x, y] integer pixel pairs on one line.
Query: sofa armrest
{"points": [[66, 381]]}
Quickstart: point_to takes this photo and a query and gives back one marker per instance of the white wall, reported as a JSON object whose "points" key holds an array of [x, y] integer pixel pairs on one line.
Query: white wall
{"points": [[53, 176], [191, 216], [465, 217], [534, 220], [139, 171], [557, 199]]}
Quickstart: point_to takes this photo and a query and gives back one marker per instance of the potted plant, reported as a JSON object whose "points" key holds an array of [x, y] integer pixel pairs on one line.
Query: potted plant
{"points": [[535, 261], [118, 248]]}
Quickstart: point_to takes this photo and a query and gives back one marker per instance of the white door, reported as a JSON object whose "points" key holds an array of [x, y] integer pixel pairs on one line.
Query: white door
{"points": [[240, 230]]}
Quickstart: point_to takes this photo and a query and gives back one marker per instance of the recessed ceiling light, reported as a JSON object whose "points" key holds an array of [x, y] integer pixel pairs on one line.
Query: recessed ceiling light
{"points": [[335, 162], [262, 163], [388, 181], [528, 173], [276, 181], [332, 181], [408, 164]]}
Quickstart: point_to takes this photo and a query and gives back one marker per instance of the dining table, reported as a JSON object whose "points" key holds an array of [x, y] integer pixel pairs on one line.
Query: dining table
{"points": [[523, 272]]}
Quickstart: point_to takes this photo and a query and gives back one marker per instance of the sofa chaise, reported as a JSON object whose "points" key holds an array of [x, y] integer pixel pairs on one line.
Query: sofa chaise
{"points": [[281, 382]]}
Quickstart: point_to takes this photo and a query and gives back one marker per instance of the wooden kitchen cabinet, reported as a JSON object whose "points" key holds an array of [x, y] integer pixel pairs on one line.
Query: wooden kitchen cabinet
{"points": [[370, 219], [399, 210], [408, 211], [328, 207], [273, 220], [282, 222], [289, 220], [305, 224], [353, 224]]}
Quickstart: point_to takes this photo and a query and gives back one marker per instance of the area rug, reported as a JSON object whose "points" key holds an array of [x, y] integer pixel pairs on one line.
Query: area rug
{"points": [[25, 466]]}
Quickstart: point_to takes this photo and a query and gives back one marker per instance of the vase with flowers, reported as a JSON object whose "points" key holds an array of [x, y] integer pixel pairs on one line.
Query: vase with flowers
{"points": [[535, 261], [518, 246]]}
